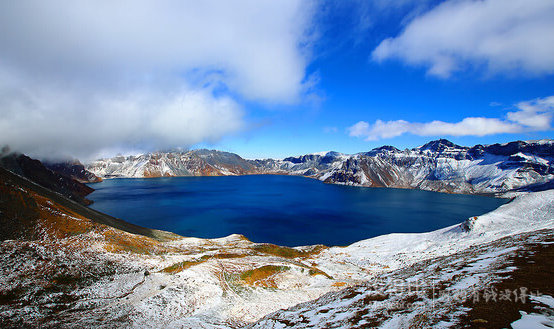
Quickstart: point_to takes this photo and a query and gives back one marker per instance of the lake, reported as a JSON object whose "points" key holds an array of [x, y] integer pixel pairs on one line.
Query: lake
{"points": [[285, 210]]}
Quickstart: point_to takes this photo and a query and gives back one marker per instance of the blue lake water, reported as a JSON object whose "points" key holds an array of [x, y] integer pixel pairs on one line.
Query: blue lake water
{"points": [[284, 210]]}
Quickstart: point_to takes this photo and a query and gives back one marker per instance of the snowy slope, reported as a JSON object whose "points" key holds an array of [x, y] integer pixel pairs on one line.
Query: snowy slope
{"points": [[422, 280], [392, 251]]}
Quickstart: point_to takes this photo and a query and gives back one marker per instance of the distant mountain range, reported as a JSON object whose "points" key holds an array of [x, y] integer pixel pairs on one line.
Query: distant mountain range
{"points": [[436, 166]]}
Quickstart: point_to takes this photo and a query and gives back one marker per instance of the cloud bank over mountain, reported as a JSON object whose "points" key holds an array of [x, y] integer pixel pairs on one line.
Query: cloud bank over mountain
{"points": [[79, 77]]}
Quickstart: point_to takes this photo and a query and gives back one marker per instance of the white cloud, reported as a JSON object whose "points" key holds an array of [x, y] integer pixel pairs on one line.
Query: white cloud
{"points": [[253, 45], [506, 36], [83, 76], [49, 121], [380, 129], [535, 115]]}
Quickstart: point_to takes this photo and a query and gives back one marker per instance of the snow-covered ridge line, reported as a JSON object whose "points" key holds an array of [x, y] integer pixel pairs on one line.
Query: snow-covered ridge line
{"points": [[436, 166]]}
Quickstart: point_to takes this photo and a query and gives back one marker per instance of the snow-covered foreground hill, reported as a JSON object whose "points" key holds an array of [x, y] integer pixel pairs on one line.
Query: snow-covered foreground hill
{"points": [[435, 279], [83, 273], [436, 166]]}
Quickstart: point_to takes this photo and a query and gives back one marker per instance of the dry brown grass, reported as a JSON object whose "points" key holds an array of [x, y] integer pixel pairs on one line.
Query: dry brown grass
{"points": [[263, 276], [121, 242], [224, 255], [59, 221], [287, 252], [313, 271], [181, 266]]}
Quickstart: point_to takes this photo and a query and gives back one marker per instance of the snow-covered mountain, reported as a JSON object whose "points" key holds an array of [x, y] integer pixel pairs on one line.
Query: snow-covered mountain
{"points": [[436, 166], [446, 167], [166, 164]]}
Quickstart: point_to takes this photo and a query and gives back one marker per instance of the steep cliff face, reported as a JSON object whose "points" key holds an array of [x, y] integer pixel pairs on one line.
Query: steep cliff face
{"points": [[436, 166], [73, 169], [35, 171]]}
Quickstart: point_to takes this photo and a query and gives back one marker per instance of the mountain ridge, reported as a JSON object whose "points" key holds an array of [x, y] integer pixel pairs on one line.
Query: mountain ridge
{"points": [[63, 178], [438, 165]]}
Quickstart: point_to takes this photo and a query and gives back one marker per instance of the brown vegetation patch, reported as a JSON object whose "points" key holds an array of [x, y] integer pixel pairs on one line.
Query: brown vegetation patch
{"points": [[315, 271], [263, 276], [28, 215], [181, 266], [26, 207], [120, 242], [225, 256], [43, 218], [210, 171], [60, 221], [287, 252]]}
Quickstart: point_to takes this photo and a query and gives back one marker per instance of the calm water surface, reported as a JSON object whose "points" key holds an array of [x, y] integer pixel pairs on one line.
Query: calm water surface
{"points": [[284, 210]]}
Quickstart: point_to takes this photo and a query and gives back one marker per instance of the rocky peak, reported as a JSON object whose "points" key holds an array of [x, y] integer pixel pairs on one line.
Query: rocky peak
{"points": [[539, 148], [382, 149], [73, 169], [440, 145]]}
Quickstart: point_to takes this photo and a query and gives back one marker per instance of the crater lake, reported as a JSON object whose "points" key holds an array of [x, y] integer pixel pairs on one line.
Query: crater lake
{"points": [[284, 210]]}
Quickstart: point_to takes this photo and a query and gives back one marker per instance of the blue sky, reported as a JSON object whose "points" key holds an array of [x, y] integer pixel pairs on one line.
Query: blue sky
{"points": [[354, 87], [272, 78]]}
